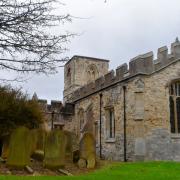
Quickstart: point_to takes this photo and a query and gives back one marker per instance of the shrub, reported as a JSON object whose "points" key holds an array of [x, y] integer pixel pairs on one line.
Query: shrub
{"points": [[17, 110]]}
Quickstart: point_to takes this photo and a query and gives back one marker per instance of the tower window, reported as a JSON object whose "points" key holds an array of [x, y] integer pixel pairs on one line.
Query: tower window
{"points": [[69, 71], [92, 73]]}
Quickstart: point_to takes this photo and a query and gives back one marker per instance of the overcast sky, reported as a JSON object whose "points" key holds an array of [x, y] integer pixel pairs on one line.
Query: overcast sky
{"points": [[117, 30]]}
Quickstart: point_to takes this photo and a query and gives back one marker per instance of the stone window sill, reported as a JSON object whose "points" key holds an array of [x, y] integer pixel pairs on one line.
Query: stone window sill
{"points": [[175, 136], [111, 140]]}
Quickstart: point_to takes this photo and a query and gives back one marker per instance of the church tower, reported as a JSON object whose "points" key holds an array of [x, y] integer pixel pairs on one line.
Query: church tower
{"points": [[81, 70]]}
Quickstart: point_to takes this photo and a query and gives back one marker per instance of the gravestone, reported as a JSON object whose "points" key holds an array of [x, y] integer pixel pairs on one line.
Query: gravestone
{"points": [[72, 145], [38, 140], [82, 163], [19, 148], [88, 149], [69, 142], [54, 151]]}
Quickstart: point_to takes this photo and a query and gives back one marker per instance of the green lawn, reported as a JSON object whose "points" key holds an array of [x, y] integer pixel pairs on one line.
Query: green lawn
{"points": [[122, 171]]}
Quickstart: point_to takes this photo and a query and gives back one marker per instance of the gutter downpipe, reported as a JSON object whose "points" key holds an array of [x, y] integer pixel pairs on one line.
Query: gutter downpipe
{"points": [[125, 138], [52, 120], [100, 130]]}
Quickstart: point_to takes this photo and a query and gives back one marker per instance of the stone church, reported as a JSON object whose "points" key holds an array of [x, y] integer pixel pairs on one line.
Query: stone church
{"points": [[134, 111]]}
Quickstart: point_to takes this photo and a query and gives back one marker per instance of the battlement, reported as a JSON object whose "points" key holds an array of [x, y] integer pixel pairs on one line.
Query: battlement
{"points": [[56, 106], [142, 64]]}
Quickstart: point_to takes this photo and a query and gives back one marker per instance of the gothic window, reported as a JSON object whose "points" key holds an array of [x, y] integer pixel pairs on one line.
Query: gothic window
{"points": [[68, 72], [174, 102], [110, 123], [92, 73], [68, 76]]}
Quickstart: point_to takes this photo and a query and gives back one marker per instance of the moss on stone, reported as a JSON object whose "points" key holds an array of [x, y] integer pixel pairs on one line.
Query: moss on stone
{"points": [[55, 146], [20, 148], [87, 146], [38, 139]]}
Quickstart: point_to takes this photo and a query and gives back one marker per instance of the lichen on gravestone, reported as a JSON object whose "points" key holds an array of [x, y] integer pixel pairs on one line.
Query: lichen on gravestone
{"points": [[88, 149], [38, 139], [82, 163], [54, 151], [19, 148]]}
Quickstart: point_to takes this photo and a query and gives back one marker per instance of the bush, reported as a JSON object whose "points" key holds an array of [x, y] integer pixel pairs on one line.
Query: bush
{"points": [[17, 110]]}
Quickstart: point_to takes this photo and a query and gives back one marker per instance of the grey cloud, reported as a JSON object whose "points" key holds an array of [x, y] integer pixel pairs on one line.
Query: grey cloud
{"points": [[117, 30]]}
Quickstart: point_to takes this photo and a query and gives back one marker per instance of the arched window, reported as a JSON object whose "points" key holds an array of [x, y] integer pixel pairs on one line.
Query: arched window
{"points": [[110, 123], [92, 73], [174, 102]]}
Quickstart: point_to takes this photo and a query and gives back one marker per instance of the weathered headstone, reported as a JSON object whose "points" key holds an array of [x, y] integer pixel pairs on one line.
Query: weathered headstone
{"points": [[55, 146], [38, 140], [20, 148], [88, 149], [91, 162], [69, 142], [72, 144], [82, 163]]}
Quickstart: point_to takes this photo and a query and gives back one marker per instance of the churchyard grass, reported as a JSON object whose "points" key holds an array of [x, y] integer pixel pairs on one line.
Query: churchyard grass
{"points": [[120, 171]]}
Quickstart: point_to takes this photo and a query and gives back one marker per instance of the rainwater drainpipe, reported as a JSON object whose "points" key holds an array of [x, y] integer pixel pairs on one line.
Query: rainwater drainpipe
{"points": [[52, 120], [125, 140], [100, 129]]}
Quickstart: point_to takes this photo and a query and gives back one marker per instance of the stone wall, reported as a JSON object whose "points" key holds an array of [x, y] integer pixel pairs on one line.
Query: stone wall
{"points": [[147, 107], [140, 65], [61, 114]]}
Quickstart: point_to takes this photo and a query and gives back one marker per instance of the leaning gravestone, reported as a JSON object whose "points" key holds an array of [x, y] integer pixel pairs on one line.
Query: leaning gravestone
{"points": [[88, 150], [54, 152], [19, 148]]}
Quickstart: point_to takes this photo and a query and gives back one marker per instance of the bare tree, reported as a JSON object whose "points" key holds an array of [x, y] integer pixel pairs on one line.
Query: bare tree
{"points": [[26, 43]]}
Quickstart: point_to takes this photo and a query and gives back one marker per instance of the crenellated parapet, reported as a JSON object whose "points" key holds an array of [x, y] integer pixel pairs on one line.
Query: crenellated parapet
{"points": [[56, 107], [143, 64]]}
